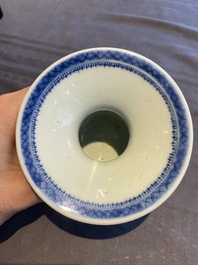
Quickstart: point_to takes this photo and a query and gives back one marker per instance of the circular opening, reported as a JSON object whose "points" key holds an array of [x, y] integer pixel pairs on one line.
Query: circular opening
{"points": [[104, 135]]}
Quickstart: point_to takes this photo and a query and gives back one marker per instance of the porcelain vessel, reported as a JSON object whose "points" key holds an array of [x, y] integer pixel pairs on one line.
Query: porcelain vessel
{"points": [[104, 136]]}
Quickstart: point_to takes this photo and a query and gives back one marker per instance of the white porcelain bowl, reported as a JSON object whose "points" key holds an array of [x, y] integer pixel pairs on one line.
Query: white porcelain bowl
{"points": [[104, 136]]}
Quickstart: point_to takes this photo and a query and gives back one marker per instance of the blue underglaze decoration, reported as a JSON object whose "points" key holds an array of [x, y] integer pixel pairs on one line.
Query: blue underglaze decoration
{"points": [[180, 133]]}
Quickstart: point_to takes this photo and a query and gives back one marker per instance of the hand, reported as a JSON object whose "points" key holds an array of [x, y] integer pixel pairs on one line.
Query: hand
{"points": [[15, 192]]}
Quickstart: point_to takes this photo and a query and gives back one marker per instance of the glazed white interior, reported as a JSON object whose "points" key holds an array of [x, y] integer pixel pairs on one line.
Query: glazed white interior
{"points": [[99, 88]]}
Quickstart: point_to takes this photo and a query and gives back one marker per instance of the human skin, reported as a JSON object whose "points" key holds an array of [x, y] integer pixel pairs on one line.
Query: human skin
{"points": [[15, 192]]}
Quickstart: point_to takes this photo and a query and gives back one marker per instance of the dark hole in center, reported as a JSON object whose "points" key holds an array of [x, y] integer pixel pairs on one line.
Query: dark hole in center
{"points": [[105, 126]]}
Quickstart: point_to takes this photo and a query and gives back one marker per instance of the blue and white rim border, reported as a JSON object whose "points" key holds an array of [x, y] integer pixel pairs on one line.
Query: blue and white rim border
{"points": [[125, 210]]}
